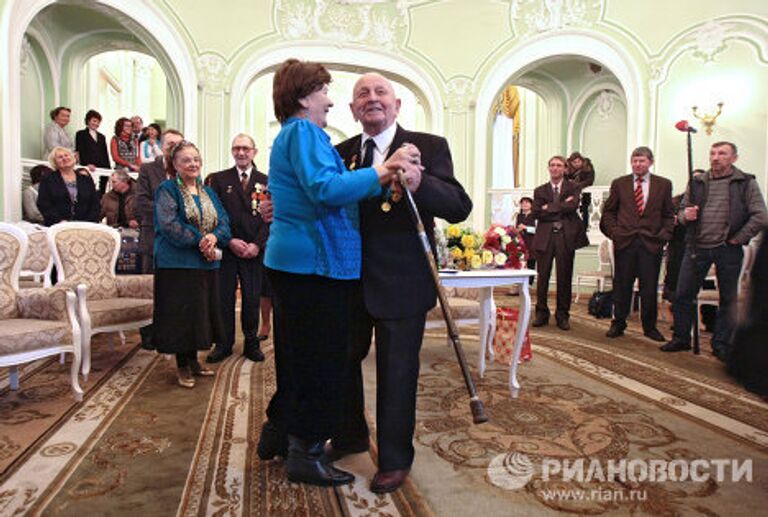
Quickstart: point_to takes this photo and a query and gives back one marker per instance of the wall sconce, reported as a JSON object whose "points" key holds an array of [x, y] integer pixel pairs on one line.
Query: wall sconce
{"points": [[708, 119]]}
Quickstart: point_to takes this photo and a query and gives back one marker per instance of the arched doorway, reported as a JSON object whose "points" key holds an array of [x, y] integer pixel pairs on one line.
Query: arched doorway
{"points": [[535, 66], [101, 25]]}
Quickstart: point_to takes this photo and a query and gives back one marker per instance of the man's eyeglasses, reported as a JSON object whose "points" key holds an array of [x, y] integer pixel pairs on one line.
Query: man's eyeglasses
{"points": [[241, 149]]}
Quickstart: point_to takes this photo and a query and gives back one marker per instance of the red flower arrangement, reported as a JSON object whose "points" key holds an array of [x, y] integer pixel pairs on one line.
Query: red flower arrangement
{"points": [[507, 245]]}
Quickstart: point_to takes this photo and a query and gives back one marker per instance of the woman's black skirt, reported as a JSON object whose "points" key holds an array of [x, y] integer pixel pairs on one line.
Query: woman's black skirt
{"points": [[187, 315]]}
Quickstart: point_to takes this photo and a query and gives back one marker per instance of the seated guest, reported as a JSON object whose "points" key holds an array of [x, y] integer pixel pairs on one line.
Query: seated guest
{"points": [[149, 143], [123, 147], [55, 134], [117, 205], [191, 227], [65, 194], [581, 171], [91, 146], [525, 223], [29, 198], [314, 260]]}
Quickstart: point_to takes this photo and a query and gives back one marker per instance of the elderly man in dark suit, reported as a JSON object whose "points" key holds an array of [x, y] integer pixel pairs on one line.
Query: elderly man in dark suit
{"points": [[639, 218], [558, 235], [397, 287], [240, 189], [151, 175]]}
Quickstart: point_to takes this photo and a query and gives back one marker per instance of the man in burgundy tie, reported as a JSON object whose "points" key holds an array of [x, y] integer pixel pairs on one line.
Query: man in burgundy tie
{"points": [[639, 217]]}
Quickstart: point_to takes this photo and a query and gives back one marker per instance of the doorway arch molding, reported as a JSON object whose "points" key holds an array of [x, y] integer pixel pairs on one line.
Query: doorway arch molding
{"points": [[518, 60], [351, 59], [167, 41]]}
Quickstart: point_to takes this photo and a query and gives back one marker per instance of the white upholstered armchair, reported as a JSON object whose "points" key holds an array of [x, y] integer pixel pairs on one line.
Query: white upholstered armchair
{"points": [[37, 322], [86, 253]]}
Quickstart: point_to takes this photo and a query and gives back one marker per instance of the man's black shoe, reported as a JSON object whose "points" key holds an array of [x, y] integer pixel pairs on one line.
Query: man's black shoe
{"points": [[219, 354], [272, 442], [540, 321], [332, 453], [722, 356], [253, 352], [616, 330], [563, 324], [655, 335], [675, 345]]}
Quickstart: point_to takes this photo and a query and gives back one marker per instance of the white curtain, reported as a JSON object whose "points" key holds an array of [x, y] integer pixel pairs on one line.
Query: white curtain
{"points": [[503, 171]]}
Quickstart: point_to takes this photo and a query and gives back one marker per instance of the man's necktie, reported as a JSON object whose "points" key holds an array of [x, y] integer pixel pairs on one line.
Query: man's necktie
{"points": [[369, 145], [639, 201], [557, 191], [244, 181]]}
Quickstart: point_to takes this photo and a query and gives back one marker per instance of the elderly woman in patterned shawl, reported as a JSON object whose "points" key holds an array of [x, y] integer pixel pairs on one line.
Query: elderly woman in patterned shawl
{"points": [[191, 227]]}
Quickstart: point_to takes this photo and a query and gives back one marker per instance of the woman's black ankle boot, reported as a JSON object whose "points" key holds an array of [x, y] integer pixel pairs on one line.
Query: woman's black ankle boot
{"points": [[305, 465]]}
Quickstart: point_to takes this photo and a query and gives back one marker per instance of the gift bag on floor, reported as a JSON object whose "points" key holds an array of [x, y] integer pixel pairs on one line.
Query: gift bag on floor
{"points": [[504, 340]]}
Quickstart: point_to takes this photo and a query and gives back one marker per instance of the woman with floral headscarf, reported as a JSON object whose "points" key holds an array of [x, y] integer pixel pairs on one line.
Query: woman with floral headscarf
{"points": [[191, 227]]}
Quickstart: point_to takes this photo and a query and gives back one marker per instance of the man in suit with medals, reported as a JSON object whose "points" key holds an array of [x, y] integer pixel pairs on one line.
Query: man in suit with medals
{"points": [[241, 190], [559, 234], [397, 289], [639, 218]]}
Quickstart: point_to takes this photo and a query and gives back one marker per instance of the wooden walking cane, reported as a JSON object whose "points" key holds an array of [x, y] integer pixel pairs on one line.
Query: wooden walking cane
{"points": [[475, 404]]}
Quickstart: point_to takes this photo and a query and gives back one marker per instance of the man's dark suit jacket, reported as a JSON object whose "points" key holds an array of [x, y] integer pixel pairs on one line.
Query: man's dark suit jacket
{"points": [[54, 202], [396, 279], [92, 153], [151, 175], [621, 223], [244, 224], [558, 210]]}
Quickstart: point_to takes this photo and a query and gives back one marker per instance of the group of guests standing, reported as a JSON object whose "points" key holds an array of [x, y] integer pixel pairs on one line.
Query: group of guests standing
{"points": [[132, 143], [721, 211]]}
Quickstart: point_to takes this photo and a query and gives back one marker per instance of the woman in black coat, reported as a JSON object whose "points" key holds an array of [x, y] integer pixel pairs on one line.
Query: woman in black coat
{"points": [[91, 145], [66, 194]]}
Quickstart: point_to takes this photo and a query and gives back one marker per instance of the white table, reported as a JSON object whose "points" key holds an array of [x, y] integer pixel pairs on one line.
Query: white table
{"points": [[486, 280]]}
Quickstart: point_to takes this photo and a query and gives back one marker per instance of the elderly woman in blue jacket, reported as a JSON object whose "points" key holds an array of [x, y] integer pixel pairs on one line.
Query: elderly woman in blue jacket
{"points": [[191, 227], [314, 258]]}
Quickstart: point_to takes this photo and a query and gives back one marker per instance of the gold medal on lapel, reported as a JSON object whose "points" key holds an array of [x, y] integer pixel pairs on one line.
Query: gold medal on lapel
{"points": [[386, 207]]}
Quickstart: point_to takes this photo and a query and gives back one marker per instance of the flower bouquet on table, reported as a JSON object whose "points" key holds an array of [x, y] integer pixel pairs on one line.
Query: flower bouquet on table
{"points": [[505, 247], [463, 248]]}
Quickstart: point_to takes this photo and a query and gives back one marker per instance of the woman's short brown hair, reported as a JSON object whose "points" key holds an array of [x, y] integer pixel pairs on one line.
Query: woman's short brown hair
{"points": [[293, 81], [119, 125]]}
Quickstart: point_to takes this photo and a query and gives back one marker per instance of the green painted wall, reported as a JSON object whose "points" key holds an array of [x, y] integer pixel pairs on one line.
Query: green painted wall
{"points": [[457, 46]]}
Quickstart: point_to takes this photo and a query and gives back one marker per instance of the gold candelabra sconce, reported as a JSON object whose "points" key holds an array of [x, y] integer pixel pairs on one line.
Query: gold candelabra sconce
{"points": [[708, 119]]}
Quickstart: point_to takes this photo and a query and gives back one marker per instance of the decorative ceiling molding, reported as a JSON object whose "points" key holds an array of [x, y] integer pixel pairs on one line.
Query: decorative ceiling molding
{"points": [[212, 71], [26, 55], [459, 95], [375, 22], [707, 40], [536, 16]]}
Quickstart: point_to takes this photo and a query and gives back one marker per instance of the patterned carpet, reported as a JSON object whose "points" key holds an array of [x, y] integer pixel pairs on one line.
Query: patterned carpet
{"points": [[139, 445]]}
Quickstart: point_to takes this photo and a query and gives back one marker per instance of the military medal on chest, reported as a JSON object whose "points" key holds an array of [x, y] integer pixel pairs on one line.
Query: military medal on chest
{"points": [[258, 195]]}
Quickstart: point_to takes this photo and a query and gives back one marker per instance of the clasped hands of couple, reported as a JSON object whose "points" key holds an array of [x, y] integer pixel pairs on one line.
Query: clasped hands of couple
{"points": [[406, 159]]}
